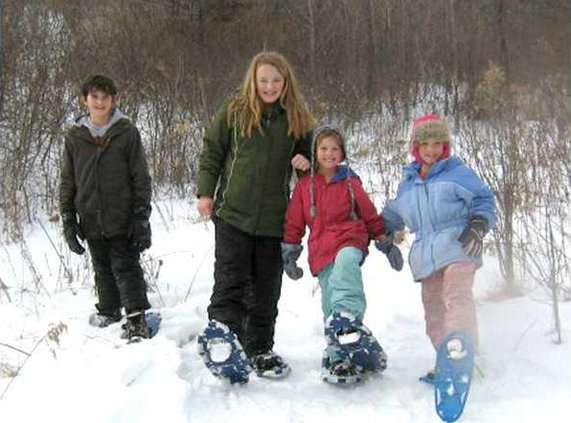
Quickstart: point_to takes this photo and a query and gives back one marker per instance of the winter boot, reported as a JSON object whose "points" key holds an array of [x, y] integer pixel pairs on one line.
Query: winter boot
{"points": [[103, 320], [136, 328], [355, 342], [223, 354], [428, 378], [270, 365]]}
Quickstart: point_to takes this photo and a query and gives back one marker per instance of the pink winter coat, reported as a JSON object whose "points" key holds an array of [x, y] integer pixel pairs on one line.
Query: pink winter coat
{"points": [[332, 228]]}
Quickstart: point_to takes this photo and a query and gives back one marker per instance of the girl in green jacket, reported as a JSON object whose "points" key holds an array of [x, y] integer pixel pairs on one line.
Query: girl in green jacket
{"points": [[257, 137]]}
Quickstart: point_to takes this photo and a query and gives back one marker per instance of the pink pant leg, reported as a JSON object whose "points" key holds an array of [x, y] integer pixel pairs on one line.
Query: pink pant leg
{"points": [[433, 307], [460, 309], [449, 302]]}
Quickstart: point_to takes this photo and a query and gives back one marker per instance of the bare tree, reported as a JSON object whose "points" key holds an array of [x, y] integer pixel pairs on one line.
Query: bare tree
{"points": [[494, 69]]}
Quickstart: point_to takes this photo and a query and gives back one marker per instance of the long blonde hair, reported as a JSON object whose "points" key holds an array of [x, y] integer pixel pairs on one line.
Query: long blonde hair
{"points": [[247, 106]]}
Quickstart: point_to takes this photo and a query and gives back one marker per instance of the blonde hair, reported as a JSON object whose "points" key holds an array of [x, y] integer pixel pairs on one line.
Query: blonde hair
{"points": [[247, 107]]}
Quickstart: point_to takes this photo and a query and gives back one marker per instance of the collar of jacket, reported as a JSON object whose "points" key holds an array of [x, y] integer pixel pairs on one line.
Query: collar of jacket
{"points": [[122, 125], [343, 172], [412, 170], [272, 111]]}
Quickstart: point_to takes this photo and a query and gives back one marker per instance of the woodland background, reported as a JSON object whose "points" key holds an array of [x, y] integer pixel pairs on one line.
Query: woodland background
{"points": [[498, 70]]}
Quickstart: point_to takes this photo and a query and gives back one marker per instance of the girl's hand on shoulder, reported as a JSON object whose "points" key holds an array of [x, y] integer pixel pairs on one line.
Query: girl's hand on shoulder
{"points": [[300, 162], [205, 206]]}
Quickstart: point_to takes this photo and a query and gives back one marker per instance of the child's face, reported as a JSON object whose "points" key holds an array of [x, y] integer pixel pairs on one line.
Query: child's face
{"points": [[329, 154], [430, 151], [99, 105], [269, 83]]}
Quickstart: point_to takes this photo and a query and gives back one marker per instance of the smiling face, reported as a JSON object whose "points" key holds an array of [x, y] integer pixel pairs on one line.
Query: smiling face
{"points": [[430, 151], [329, 155], [269, 83], [99, 105]]}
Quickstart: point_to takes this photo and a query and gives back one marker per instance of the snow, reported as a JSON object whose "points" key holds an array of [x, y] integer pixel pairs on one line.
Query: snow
{"points": [[89, 375]]}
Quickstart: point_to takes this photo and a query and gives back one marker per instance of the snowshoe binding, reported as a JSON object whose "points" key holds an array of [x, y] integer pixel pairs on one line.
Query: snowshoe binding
{"points": [[270, 365], [341, 372]]}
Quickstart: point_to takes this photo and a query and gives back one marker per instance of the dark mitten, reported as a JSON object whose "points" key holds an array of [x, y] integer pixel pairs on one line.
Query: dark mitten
{"points": [[290, 254], [472, 238], [71, 232], [140, 233], [392, 252]]}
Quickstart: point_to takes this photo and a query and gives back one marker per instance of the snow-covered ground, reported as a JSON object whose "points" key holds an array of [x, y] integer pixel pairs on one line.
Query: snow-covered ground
{"points": [[84, 374]]}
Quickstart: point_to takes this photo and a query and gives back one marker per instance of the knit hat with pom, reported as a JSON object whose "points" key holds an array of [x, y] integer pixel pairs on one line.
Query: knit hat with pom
{"points": [[430, 127]]}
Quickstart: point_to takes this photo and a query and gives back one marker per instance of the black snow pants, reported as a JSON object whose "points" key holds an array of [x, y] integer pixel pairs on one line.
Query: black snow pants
{"points": [[247, 285], [119, 278]]}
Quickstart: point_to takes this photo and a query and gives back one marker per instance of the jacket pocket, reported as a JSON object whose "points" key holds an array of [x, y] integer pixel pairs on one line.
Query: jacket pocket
{"points": [[237, 195], [415, 256]]}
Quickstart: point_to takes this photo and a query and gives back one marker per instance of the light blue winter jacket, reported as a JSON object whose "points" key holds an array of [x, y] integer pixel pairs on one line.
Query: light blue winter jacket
{"points": [[437, 209]]}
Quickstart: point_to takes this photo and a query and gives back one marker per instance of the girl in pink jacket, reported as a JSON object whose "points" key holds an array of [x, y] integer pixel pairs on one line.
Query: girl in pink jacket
{"points": [[342, 220]]}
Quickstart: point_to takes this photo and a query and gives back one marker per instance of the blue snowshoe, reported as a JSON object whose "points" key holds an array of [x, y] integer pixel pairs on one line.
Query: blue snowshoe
{"points": [[453, 374], [223, 354], [153, 322], [355, 342]]}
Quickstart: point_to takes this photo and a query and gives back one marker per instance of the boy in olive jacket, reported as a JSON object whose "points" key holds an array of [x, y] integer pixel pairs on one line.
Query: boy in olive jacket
{"points": [[104, 199]]}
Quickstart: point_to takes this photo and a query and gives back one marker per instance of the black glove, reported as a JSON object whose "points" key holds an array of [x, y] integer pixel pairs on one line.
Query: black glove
{"points": [[290, 254], [72, 231], [472, 237], [140, 232], [392, 252]]}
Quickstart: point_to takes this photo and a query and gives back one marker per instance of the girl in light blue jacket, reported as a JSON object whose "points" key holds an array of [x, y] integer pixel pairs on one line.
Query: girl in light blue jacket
{"points": [[449, 209]]}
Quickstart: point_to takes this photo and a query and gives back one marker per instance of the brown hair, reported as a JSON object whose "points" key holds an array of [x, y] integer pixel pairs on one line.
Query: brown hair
{"points": [[333, 133], [98, 83], [247, 106]]}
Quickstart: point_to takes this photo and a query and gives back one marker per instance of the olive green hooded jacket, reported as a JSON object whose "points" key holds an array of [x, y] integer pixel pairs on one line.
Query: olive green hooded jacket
{"points": [[249, 177], [105, 181]]}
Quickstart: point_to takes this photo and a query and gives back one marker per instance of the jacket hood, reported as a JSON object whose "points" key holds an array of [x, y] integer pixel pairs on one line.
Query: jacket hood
{"points": [[320, 130], [99, 131]]}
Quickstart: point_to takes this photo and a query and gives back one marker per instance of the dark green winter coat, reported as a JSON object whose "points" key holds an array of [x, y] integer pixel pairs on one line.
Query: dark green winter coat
{"points": [[104, 182], [249, 177]]}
